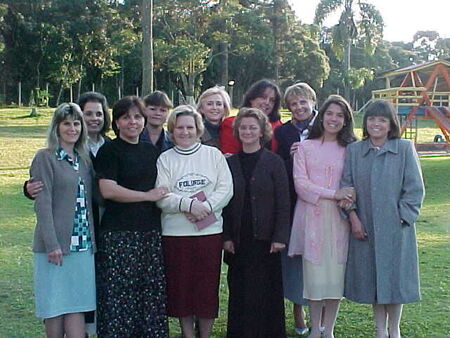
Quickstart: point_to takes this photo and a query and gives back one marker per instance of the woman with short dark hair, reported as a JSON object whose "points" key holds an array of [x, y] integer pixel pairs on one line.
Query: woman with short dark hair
{"points": [[382, 265], [130, 275]]}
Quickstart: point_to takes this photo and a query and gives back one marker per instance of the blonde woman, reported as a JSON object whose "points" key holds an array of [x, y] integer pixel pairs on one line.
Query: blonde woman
{"points": [[214, 105], [200, 185], [64, 281]]}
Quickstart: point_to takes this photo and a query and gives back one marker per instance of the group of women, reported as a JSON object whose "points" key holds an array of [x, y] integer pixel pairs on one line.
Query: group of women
{"points": [[347, 208]]}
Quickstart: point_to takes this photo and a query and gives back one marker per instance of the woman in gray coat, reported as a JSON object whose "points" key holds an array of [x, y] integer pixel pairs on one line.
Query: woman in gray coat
{"points": [[382, 265]]}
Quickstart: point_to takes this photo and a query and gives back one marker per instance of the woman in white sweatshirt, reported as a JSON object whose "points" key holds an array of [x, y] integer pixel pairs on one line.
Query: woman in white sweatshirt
{"points": [[200, 186]]}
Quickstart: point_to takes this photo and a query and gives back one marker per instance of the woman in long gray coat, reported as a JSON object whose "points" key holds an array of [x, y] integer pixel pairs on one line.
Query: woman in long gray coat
{"points": [[382, 264]]}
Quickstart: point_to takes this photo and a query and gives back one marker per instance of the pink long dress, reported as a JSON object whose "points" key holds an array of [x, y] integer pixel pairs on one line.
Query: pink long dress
{"points": [[319, 233]]}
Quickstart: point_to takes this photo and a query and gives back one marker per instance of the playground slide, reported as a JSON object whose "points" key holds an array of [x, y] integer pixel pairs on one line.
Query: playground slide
{"points": [[440, 119], [445, 111]]}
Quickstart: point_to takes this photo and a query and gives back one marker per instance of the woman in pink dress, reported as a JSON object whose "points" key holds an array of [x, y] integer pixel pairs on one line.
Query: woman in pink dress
{"points": [[319, 233]]}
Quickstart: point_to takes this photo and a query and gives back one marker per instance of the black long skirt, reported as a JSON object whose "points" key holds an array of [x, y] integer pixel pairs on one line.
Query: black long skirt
{"points": [[131, 288], [256, 303]]}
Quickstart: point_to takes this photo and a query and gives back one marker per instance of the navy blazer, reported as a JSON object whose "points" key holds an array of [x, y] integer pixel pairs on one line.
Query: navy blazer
{"points": [[163, 142]]}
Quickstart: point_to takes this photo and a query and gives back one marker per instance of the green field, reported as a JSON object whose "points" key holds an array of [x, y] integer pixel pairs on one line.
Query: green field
{"points": [[21, 136]]}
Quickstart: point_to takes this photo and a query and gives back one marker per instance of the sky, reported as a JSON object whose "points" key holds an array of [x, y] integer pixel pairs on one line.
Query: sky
{"points": [[402, 18]]}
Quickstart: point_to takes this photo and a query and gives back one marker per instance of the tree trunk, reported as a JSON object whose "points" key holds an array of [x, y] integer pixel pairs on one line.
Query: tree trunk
{"points": [[59, 95], [223, 61], [277, 22], [188, 85], [190, 89], [223, 46], [38, 74], [79, 87], [147, 47], [349, 35], [122, 73], [347, 49]]}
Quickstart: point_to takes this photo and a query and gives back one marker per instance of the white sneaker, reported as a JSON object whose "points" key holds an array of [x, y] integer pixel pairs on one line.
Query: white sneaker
{"points": [[301, 331]]}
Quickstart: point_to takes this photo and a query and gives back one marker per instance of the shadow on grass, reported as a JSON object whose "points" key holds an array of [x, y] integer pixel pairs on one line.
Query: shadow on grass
{"points": [[37, 132], [26, 117]]}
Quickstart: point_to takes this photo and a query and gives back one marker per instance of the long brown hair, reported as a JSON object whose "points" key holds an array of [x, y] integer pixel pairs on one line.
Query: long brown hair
{"points": [[346, 134], [257, 90]]}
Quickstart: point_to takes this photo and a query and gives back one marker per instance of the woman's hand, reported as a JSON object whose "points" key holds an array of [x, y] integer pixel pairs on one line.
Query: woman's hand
{"points": [[228, 246], [199, 210], [344, 204], [294, 148], [55, 257], [277, 247], [157, 193], [34, 187], [358, 231], [346, 193], [191, 218]]}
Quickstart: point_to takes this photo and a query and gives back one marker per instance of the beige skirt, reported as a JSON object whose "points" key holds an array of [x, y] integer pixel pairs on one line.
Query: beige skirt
{"points": [[324, 280]]}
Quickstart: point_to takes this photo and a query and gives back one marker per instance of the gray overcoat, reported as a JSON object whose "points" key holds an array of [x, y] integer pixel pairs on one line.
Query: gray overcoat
{"points": [[384, 268]]}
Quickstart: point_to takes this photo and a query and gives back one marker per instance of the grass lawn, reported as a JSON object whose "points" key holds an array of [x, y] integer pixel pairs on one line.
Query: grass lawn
{"points": [[21, 136]]}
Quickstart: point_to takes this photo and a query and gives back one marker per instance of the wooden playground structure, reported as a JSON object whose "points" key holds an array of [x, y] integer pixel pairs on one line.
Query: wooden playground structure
{"points": [[420, 92]]}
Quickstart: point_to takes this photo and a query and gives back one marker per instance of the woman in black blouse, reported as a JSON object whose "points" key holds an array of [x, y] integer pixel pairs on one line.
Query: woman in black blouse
{"points": [[130, 280]]}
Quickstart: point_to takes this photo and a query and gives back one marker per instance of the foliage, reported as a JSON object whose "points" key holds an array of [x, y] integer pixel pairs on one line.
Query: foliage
{"points": [[424, 43], [357, 77], [359, 22], [85, 45], [197, 44], [42, 44]]}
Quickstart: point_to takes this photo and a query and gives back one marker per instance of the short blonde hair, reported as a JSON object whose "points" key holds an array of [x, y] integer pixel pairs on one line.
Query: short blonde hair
{"points": [[301, 89], [263, 122], [185, 110], [213, 91]]}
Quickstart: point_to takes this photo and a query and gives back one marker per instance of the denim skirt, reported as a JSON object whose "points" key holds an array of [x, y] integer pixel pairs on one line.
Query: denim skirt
{"points": [[69, 288]]}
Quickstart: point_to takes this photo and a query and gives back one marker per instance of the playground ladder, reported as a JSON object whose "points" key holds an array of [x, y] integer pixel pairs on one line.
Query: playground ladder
{"points": [[409, 126]]}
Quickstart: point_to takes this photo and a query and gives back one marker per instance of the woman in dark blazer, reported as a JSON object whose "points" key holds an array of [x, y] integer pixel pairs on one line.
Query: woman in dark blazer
{"points": [[256, 229]]}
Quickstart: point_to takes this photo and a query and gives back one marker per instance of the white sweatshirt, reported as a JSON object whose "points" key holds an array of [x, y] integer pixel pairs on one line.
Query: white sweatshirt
{"points": [[186, 172]]}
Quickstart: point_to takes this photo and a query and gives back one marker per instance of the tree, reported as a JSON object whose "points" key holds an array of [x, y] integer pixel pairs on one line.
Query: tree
{"points": [[197, 44], [424, 44], [368, 28], [443, 48], [42, 45], [182, 26], [147, 47], [402, 54]]}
